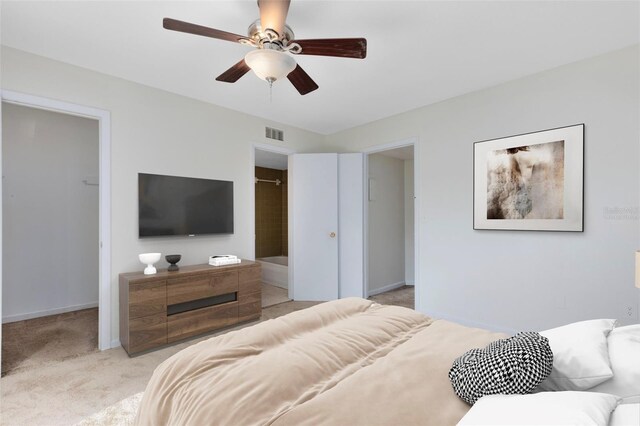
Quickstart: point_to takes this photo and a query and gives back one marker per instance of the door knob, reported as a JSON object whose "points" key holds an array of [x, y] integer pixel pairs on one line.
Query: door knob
{"points": [[332, 235]]}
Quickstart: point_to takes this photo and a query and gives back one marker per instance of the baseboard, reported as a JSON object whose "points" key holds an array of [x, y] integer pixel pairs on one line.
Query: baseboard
{"points": [[38, 314], [411, 283], [386, 288]]}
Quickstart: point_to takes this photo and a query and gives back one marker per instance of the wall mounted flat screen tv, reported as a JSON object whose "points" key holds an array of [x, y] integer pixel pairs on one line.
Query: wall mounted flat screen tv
{"points": [[172, 205]]}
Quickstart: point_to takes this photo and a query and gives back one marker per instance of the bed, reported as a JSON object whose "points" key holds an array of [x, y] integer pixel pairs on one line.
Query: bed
{"points": [[349, 361], [355, 362]]}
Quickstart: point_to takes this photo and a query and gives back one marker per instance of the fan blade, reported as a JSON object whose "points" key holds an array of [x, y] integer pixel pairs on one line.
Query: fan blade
{"points": [[341, 47], [234, 73], [186, 27], [273, 14], [301, 80]]}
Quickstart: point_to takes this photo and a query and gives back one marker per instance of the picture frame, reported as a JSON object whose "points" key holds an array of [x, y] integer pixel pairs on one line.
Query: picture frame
{"points": [[530, 182]]}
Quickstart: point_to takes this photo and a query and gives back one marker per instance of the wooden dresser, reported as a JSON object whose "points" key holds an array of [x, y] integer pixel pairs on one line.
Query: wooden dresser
{"points": [[170, 306]]}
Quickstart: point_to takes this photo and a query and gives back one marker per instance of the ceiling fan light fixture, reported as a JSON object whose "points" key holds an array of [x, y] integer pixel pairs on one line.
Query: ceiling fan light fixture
{"points": [[270, 65], [274, 41]]}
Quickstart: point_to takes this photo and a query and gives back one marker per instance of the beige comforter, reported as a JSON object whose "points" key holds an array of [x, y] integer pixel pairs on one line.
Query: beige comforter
{"points": [[346, 362]]}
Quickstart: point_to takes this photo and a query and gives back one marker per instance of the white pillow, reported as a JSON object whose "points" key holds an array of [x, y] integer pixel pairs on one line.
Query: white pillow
{"points": [[580, 355], [626, 415], [544, 408], [624, 355]]}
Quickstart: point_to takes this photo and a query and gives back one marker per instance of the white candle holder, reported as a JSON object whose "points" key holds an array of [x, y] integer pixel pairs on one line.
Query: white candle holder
{"points": [[149, 259]]}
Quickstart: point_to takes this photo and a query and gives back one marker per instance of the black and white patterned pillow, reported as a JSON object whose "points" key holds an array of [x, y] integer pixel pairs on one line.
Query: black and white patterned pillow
{"points": [[516, 365]]}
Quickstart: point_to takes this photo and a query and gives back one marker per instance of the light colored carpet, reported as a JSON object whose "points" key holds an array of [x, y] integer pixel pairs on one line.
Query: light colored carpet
{"points": [[103, 388], [66, 392], [272, 295], [122, 413], [39, 341], [403, 296], [51, 339]]}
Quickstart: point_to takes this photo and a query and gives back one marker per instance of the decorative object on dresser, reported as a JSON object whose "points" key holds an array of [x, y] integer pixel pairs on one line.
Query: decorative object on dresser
{"points": [[173, 259], [171, 306], [149, 259], [223, 259], [530, 182]]}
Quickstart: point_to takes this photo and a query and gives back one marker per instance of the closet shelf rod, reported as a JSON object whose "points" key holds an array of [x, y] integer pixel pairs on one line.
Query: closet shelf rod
{"points": [[277, 181]]}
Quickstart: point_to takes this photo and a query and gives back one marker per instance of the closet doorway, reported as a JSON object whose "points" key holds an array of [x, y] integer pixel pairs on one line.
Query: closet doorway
{"points": [[390, 226], [50, 204], [271, 180]]}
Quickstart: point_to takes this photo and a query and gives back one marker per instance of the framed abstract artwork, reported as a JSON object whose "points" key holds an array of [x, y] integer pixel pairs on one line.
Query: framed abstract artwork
{"points": [[530, 182]]}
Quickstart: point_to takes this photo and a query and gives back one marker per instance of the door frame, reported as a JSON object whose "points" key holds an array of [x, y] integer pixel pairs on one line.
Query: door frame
{"points": [[104, 172], [412, 141], [252, 189], [252, 194]]}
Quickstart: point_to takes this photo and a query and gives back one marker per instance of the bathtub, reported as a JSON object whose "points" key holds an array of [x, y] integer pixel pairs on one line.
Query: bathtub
{"points": [[275, 270]]}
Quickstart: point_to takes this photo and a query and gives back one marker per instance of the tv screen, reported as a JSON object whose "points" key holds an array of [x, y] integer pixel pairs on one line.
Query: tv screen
{"points": [[171, 205]]}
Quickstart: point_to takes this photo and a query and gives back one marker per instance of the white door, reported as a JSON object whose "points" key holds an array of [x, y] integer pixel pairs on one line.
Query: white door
{"points": [[313, 217], [351, 221]]}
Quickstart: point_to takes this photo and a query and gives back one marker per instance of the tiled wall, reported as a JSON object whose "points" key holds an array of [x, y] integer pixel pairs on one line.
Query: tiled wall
{"points": [[271, 213]]}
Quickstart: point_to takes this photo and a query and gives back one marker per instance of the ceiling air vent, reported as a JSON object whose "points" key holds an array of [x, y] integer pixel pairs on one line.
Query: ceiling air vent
{"points": [[276, 134]]}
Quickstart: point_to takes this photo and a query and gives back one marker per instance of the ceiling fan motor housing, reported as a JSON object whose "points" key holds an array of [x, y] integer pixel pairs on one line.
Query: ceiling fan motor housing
{"points": [[268, 38], [256, 32]]}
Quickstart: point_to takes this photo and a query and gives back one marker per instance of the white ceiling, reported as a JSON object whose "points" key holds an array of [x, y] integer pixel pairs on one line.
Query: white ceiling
{"points": [[271, 160], [419, 52], [402, 153]]}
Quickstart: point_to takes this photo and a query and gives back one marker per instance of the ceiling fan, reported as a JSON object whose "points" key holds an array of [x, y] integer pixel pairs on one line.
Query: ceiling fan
{"points": [[274, 41]]}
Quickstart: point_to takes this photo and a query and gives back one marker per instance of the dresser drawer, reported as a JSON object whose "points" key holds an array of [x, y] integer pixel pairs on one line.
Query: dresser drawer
{"points": [[192, 323], [250, 308], [250, 294], [182, 290], [147, 298], [250, 279], [147, 332]]}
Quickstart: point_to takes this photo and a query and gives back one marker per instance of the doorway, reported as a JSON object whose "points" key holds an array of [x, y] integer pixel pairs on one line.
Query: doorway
{"points": [[103, 117], [50, 236], [271, 241], [390, 226]]}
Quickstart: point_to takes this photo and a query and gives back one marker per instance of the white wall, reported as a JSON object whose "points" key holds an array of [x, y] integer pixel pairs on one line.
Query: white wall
{"points": [[154, 131], [526, 280], [50, 227], [409, 226], [386, 264]]}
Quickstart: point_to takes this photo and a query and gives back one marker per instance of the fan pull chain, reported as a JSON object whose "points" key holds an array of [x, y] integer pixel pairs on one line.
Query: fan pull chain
{"points": [[270, 80]]}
